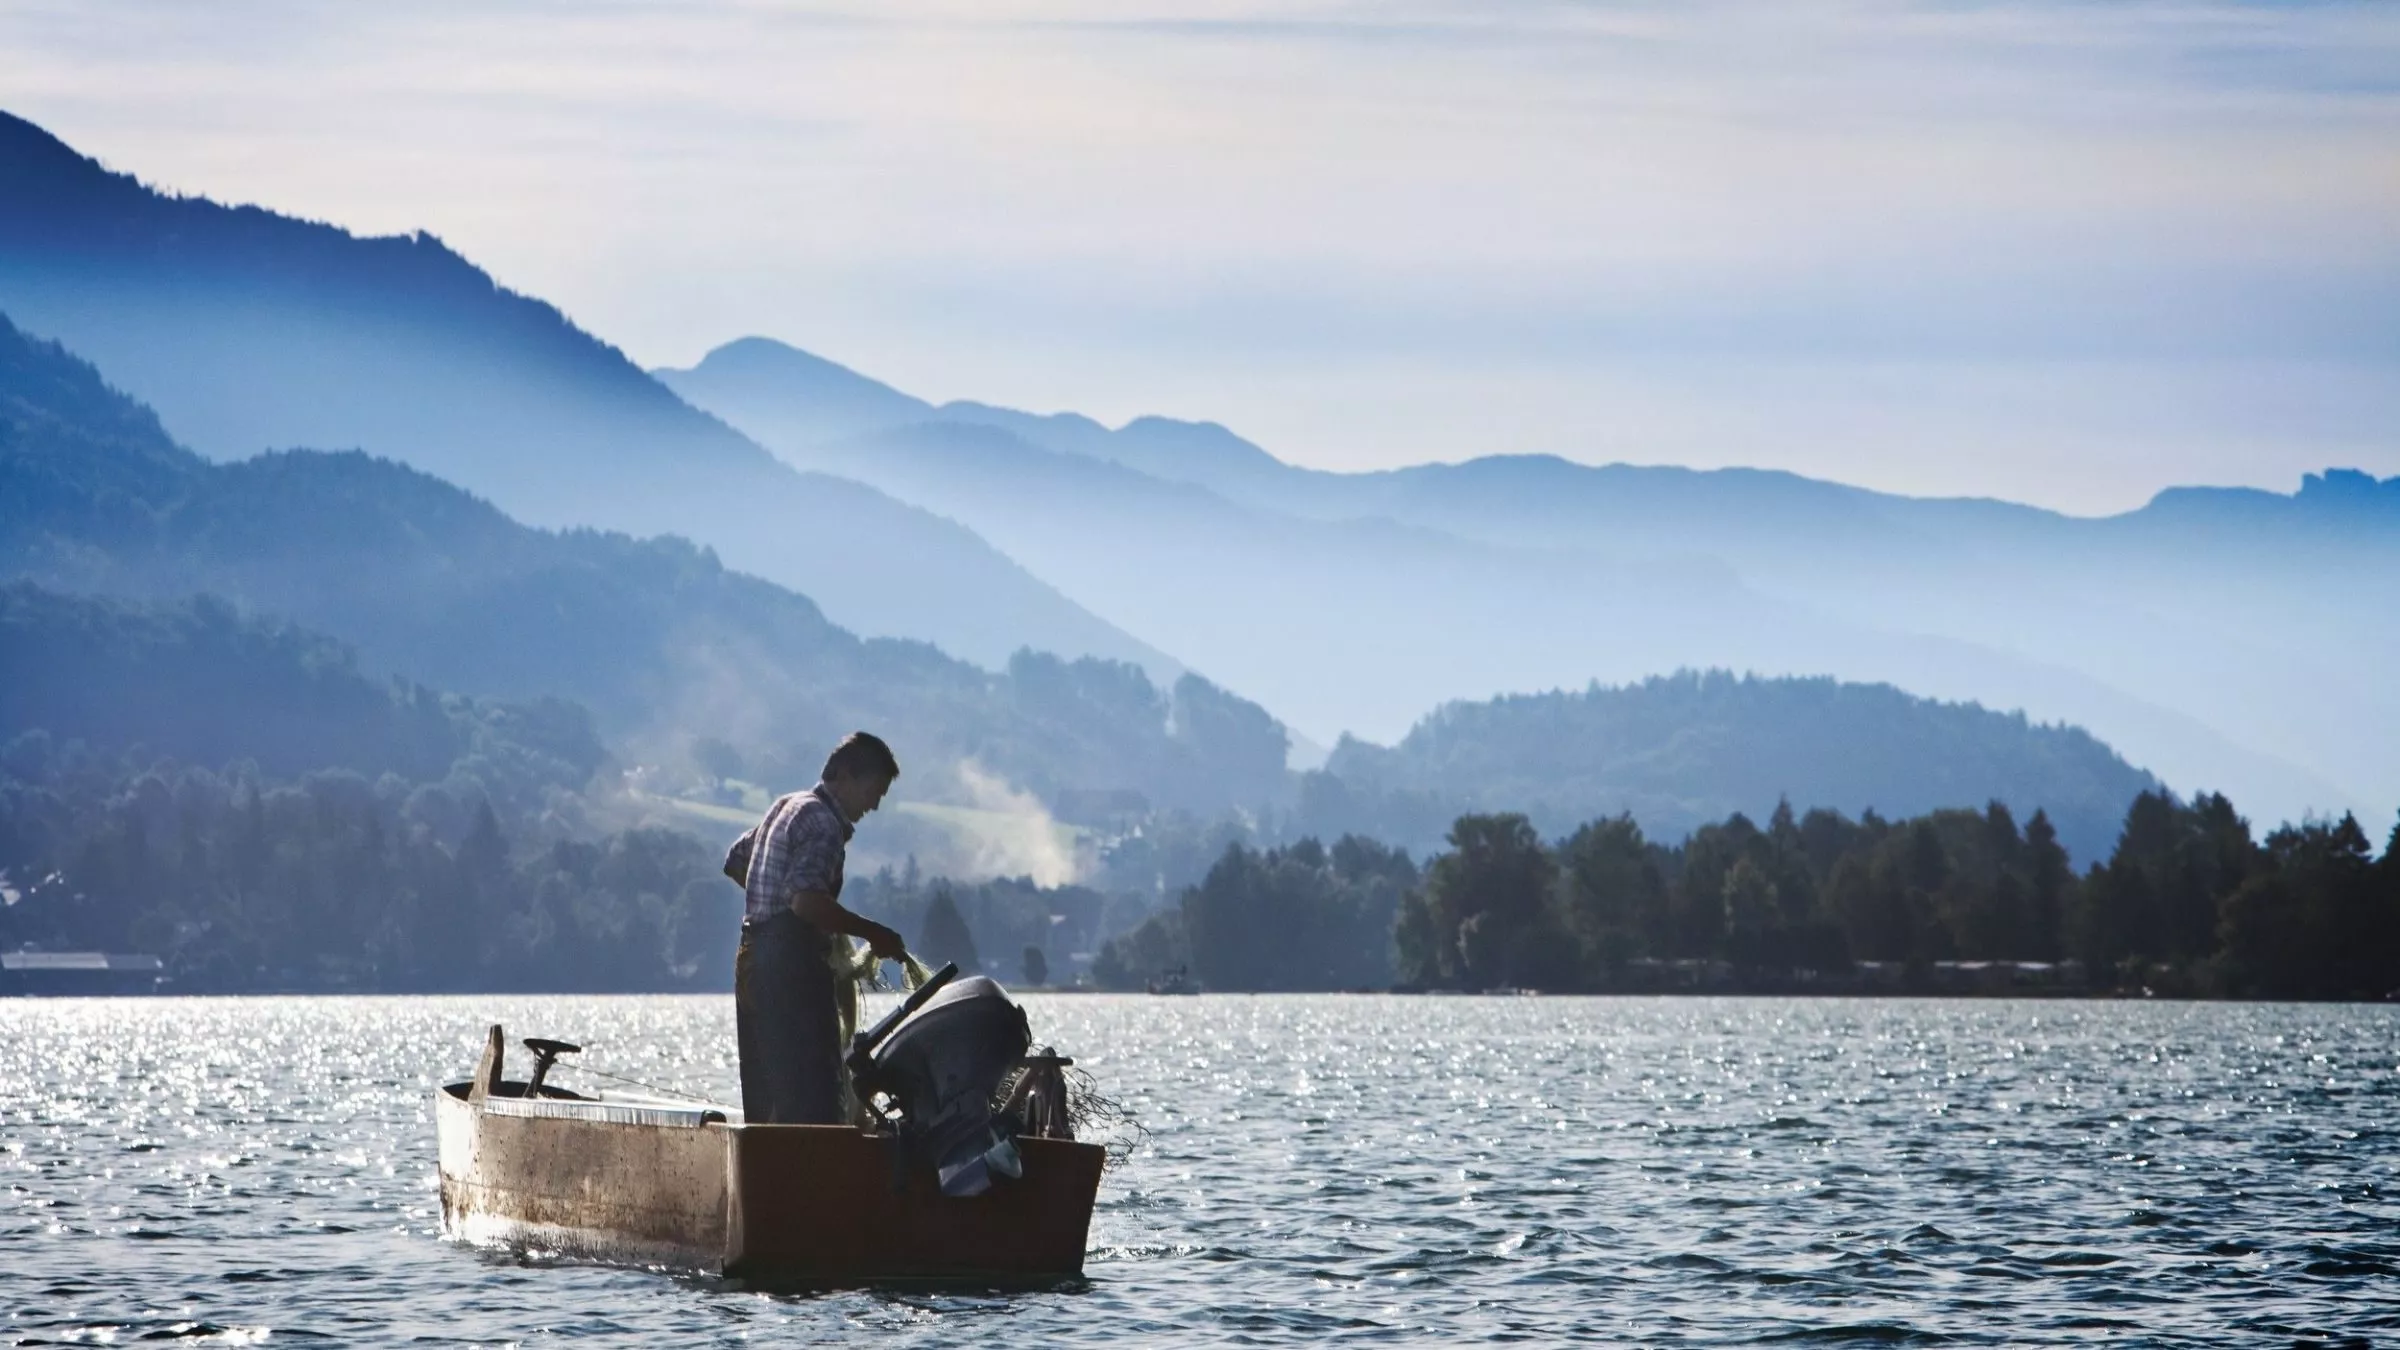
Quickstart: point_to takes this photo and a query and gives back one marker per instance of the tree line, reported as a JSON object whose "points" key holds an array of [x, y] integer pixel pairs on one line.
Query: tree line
{"points": [[499, 875], [1010, 928], [332, 881], [2189, 903]]}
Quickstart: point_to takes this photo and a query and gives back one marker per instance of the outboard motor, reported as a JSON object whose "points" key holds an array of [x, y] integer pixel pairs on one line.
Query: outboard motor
{"points": [[942, 1067]]}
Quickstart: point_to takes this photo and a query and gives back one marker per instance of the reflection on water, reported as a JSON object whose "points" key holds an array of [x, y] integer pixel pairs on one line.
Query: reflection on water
{"points": [[1372, 1169]]}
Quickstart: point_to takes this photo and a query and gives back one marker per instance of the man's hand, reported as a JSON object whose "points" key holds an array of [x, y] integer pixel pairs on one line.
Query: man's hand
{"points": [[827, 914], [885, 943]]}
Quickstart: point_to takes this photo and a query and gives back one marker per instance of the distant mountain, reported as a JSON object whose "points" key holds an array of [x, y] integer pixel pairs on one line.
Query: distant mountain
{"points": [[2269, 618], [1351, 603], [2222, 639], [822, 401], [666, 645], [2266, 617], [1678, 752], [793, 401], [250, 331], [662, 641]]}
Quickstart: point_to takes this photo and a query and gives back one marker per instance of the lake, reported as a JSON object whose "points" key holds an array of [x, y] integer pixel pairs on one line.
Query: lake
{"points": [[1318, 1168]]}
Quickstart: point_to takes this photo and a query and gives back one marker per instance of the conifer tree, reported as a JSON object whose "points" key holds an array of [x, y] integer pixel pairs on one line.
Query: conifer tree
{"points": [[943, 935]]}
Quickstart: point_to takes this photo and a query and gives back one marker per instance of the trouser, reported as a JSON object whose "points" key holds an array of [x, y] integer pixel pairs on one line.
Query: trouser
{"points": [[783, 1019]]}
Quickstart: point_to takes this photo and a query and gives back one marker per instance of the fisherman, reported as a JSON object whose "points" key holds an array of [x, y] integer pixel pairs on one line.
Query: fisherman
{"points": [[790, 867]]}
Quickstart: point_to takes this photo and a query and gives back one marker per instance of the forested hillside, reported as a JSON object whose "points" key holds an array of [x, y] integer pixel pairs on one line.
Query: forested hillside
{"points": [[199, 682], [233, 795], [663, 642], [1678, 752], [243, 880]]}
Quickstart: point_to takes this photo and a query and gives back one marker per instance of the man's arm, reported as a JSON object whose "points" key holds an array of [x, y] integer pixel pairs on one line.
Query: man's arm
{"points": [[816, 841], [820, 908]]}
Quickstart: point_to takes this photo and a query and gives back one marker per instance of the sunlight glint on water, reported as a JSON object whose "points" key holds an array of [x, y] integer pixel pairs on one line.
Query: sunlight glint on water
{"points": [[1372, 1169]]}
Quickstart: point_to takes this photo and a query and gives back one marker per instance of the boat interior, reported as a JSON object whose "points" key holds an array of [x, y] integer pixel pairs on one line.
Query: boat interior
{"points": [[537, 1096]]}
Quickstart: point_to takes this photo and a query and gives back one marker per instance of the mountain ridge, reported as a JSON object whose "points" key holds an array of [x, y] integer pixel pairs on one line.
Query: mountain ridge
{"points": [[1511, 579], [1134, 444], [657, 637], [665, 646], [1524, 571], [247, 330]]}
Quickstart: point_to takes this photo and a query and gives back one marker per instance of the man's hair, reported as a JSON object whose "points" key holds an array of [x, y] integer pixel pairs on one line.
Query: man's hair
{"points": [[862, 754]]}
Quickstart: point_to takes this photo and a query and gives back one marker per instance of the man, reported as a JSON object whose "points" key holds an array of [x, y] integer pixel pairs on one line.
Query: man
{"points": [[790, 866]]}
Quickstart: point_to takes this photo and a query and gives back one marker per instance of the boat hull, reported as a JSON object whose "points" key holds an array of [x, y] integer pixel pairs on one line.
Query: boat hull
{"points": [[546, 1176], [817, 1203], [680, 1187]]}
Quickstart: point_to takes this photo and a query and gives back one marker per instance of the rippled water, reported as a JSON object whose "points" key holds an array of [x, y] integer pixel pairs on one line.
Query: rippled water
{"points": [[1345, 1168]]}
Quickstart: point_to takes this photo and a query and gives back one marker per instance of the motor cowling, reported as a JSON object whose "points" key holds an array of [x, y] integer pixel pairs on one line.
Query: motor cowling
{"points": [[941, 1069]]}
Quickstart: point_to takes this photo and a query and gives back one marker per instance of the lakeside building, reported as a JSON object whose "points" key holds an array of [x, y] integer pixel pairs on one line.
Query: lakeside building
{"points": [[80, 973]]}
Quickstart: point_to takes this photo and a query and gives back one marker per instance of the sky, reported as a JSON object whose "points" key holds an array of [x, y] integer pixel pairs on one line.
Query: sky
{"points": [[2059, 253]]}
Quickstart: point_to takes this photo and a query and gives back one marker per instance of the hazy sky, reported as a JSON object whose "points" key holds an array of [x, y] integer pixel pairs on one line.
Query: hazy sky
{"points": [[2060, 253]]}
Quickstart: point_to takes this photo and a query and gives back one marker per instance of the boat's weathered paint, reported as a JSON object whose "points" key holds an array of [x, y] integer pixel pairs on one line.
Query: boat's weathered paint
{"points": [[673, 1184], [559, 1177]]}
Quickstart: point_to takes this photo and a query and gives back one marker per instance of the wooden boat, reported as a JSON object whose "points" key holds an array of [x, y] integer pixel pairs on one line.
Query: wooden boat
{"points": [[687, 1185]]}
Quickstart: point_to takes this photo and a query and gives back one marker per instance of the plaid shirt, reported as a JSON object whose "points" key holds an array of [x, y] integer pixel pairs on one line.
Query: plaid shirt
{"points": [[797, 847]]}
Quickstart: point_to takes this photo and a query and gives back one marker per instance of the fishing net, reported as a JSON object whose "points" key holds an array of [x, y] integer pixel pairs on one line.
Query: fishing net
{"points": [[1102, 1119], [1091, 1115], [856, 970]]}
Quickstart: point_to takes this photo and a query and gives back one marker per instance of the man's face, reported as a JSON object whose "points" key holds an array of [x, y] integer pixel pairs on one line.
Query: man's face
{"points": [[860, 795]]}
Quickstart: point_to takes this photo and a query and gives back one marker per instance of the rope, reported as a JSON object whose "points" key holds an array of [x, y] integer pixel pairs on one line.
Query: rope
{"points": [[702, 1098]]}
